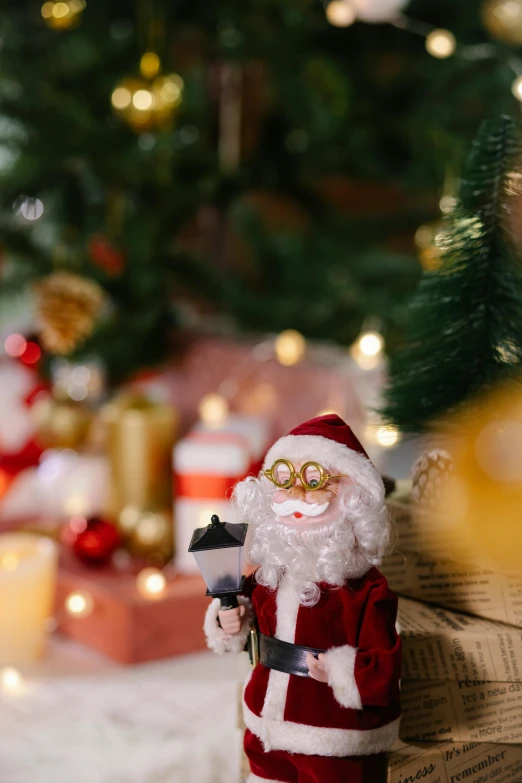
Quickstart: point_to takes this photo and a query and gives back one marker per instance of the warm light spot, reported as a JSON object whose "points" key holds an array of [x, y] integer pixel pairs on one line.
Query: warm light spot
{"points": [[516, 88], [290, 347], [142, 100], [60, 10], [151, 583], [79, 604], [47, 10], [9, 561], [441, 43], [11, 680], [15, 345], [121, 98], [424, 236], [169, 89], [341, 13], [213, 410], [387, 436], [371, 343], [447, 204], [149, 65]]}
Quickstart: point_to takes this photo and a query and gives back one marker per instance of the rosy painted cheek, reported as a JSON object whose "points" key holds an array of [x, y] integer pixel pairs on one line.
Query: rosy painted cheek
{"points": [[280, 496]]}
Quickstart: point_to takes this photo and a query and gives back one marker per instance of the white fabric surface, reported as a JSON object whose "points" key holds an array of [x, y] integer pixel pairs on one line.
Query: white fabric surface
{"points": [[82, 719]]}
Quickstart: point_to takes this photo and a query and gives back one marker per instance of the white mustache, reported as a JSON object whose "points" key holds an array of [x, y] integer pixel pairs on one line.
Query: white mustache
{"points": [[290, 506]]}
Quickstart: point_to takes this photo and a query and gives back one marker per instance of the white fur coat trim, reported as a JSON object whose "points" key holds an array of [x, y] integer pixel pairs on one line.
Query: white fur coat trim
{"points": [[217, 639], [315, 741], [340, 665], [256, 779], [332, 456]]}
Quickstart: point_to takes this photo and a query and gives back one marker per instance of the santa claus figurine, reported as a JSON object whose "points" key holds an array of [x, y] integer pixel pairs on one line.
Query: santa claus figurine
{"points": [[322, 703]]}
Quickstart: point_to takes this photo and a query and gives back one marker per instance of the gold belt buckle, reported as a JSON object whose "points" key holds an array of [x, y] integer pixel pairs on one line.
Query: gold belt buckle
{"points": [[253, 647]]}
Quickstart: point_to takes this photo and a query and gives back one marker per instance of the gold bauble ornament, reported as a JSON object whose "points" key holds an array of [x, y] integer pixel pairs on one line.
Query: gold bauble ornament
{"points": [[503, 20], [61, 424], [147, 103], [67, 306], [63, 15], [429, 475], [147, 534]]}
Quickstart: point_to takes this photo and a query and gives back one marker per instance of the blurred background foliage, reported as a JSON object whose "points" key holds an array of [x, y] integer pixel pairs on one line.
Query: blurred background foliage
{"points": [[285, 190]]}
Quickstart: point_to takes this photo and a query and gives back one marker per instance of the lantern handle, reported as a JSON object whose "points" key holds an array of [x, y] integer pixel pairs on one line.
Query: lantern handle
{"points": [[214, 520]]}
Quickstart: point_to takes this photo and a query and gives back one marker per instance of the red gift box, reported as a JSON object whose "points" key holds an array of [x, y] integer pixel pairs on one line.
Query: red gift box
{"points": [[123, 624]]}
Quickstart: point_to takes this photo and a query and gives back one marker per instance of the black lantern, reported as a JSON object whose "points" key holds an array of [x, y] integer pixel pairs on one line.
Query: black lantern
{"points": [[218, 549]]}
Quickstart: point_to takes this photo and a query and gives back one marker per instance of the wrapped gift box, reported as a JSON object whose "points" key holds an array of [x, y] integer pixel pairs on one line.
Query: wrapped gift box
{"points": [[461, 711], [446, 762], [123, 624], [439, 644], [206, 467], [423, 568]]}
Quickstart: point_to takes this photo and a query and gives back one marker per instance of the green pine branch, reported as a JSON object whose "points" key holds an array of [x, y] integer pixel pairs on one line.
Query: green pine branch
{"points": [[465, 329]]}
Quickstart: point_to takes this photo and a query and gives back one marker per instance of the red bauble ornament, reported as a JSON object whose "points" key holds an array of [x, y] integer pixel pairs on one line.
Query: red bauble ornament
{"points": [[92, 540]]}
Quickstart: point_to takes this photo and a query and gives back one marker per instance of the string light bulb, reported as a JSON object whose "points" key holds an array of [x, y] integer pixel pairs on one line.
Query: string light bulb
{"points": [[62, 15], [213, 410], [79, 604], [368, 349], [341, 13], [441, 43], [11, 681], [387, 437], [290, 347], [151, 583]]}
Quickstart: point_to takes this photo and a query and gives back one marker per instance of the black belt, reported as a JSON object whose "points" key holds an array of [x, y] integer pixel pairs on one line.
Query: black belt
{"points": [[283, 656]]}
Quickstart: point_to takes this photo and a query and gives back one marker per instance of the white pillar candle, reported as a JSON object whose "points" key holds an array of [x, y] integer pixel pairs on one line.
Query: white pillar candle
{"points": [[27, 583]]}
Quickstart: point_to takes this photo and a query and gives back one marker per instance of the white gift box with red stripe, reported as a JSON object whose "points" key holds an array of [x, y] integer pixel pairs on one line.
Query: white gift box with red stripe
{"points": [[207, 464]]}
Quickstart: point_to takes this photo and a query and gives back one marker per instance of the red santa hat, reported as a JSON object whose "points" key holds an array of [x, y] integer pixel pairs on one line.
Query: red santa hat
{"points": [[329, 441]]}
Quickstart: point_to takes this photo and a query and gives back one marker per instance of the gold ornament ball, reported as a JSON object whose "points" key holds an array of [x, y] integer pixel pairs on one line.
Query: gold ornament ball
{"points": [[63, 15], [60, 424], [503, 20], [147, 533]]}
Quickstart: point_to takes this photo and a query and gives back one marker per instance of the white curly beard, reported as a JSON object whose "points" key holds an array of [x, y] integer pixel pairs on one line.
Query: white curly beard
{"points": [[333, 552]]}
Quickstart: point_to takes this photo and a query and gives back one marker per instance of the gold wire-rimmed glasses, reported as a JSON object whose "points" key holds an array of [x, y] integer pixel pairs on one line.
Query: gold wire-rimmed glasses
{"points": [[313, 476]]}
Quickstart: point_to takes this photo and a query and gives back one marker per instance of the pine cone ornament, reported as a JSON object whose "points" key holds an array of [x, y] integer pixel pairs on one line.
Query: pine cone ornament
{"points": [[429, 473], [67, 306]]}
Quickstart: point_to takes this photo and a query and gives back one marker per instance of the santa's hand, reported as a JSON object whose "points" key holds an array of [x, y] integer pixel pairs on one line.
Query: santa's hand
{"points": [[316, 667], [230, 620]]}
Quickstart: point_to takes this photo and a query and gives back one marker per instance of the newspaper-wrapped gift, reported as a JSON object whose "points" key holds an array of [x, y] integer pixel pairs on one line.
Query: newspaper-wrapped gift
{"points": [[439, 644], [461, 711], [423, 567]]}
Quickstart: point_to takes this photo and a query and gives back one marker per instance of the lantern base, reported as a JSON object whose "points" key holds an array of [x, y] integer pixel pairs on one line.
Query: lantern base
{"points": [[229, 598]]}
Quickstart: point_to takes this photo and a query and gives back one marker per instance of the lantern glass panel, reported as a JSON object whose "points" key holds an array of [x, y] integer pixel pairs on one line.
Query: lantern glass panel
{"points": [[221, 568]]}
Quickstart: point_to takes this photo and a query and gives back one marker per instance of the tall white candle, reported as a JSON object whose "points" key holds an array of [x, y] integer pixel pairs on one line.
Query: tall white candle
{"points": [[27, 583]]}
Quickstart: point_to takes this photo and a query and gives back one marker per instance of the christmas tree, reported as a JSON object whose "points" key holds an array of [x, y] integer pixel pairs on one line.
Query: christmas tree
{"points": [[465, 330], [246, 160]]}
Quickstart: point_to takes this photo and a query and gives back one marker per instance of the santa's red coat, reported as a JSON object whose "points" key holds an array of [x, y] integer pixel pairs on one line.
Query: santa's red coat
{"points": [[357, 712]]}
